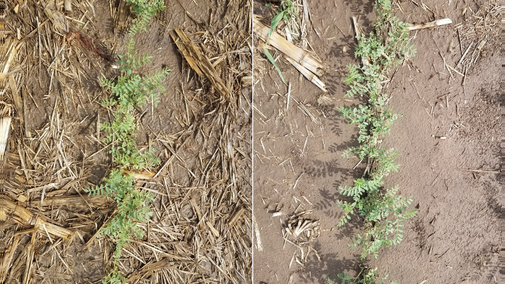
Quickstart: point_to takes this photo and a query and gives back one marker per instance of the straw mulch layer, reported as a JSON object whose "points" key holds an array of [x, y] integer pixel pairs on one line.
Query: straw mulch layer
{"points": [[200, 231]]}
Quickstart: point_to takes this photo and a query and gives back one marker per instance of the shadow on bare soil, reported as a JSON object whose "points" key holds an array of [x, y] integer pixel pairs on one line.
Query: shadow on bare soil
{"points": [[360, 7], [329, 266], [328, 206]]}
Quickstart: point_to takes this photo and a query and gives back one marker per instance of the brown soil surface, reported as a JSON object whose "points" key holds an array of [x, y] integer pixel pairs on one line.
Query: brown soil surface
{"points": [[298, 163]]}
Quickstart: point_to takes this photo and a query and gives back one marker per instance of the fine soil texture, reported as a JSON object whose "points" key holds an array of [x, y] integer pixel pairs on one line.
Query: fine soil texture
{"points": [[448, 139], [200, 230]]}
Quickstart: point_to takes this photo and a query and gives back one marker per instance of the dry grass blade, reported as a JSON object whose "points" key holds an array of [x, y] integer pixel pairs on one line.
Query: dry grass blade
{"points": [[309, 75], [259, 244], [198, 62], [25, 217], [436, 23], [5, 125], [68, 5], [300, 231], [236, 215], [77, 202], [5, 264], [139, 175], [148, 269], [5, 66], [299, 55], [18, 101]]}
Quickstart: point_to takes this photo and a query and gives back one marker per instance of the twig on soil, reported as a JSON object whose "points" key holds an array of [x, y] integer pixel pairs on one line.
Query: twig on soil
{"points": [[297, 179], [174, 155], [481, 171], [445, 64], [463, 57], [288, 96], [460, 45], [436, 23], [457, 72], [305, 111], [257, 235]]}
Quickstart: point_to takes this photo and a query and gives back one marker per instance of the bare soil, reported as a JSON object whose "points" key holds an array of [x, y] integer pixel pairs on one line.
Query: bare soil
{"points": [[298, 163]]}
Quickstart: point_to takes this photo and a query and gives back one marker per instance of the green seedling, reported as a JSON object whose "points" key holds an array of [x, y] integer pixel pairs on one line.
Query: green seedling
{"points": [[288, 14], [131, 208], [271, 59], [383, 211], [144, 10], [129, 92]]}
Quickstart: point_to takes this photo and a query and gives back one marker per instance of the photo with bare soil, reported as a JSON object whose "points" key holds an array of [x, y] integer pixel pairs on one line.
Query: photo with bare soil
{"points": [[251, 141], [126, 141], [438, 107]]}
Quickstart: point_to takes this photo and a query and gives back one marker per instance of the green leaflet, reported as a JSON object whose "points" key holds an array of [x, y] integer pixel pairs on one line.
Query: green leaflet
{"points": [[129, 91], [271, 59], [382, 210], [288, 12]]}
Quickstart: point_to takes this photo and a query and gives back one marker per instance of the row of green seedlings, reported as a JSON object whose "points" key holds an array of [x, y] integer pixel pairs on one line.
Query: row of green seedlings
{"points": [[382, 210], [131, 90]]}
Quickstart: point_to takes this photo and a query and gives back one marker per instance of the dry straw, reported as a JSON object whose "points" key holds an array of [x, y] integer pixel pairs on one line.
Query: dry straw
{"points": [[201, 227]]}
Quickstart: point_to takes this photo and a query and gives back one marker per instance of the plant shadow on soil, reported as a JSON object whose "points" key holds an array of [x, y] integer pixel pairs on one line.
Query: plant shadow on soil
{"points": [[343, 50], [331, 168], [330, 265], [360, 7]]}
